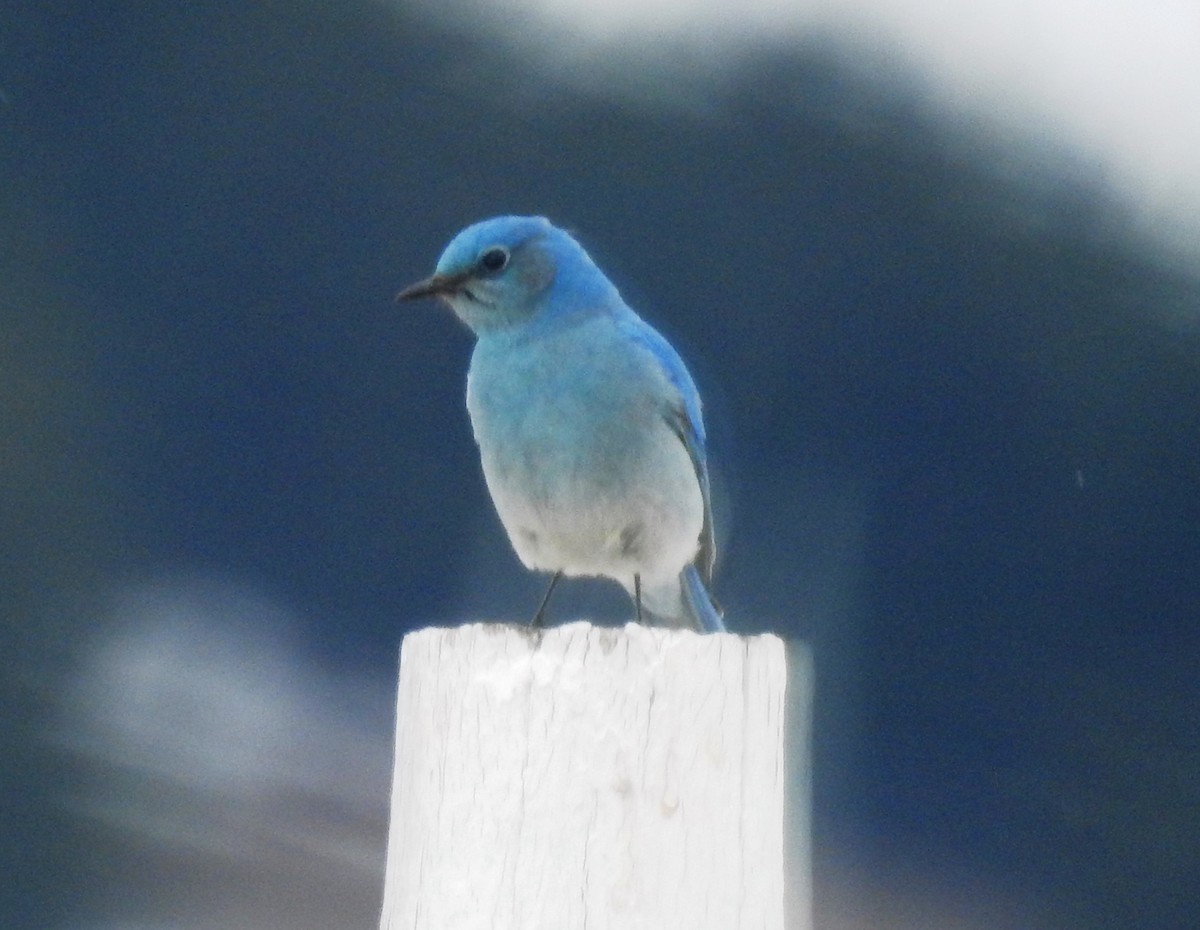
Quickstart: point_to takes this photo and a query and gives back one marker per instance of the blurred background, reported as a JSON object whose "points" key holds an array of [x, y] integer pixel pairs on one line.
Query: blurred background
{"points": [[935, 266]]}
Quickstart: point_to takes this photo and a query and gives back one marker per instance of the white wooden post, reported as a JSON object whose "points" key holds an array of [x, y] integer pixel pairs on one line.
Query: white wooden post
{"points": [[587, 777]]}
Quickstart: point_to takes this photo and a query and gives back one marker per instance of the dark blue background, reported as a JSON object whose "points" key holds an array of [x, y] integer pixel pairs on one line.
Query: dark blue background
{"points": [[956, 419]]}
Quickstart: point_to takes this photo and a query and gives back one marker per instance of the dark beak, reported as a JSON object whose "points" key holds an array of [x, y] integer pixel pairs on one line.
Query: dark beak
{"points": [[436, 286]]}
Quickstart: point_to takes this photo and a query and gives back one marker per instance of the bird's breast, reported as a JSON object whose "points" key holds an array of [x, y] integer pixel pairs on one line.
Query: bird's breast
{"points": [[552, 414], [581, 463]]}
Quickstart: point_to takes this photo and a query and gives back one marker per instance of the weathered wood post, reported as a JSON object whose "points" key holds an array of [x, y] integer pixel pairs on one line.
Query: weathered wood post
{"points": [[588, 777]]}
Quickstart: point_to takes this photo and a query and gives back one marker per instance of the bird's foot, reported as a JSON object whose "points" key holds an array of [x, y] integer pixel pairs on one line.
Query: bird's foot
{"points": [[536, 622]]}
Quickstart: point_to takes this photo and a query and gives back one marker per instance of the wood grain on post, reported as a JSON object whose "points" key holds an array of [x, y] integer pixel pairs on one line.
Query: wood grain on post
{"points": [[587, 777]]}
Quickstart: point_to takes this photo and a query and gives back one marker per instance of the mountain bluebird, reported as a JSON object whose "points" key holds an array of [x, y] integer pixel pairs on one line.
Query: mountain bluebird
{"points": [[587, 421]]}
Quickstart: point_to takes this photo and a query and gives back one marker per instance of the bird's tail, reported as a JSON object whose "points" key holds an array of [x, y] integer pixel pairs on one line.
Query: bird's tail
{"points": [[699, 603], [683, 603]]}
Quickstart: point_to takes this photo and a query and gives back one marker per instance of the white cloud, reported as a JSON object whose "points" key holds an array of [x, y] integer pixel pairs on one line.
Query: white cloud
{"points": [[258, 779], [1114, 82]]}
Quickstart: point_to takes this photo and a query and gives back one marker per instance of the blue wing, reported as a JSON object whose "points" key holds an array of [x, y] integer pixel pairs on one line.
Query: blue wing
{"points": [[684, 418]]}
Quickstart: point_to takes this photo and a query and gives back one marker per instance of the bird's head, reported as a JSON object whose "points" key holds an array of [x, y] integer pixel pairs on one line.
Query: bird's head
{"points": [[502, 272]]}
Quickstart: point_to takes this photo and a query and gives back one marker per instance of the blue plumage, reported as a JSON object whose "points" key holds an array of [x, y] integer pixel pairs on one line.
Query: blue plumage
{"points": [[588, 423]]}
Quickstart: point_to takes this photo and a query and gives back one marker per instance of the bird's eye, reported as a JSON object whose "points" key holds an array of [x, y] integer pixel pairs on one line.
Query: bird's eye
{"points": [[494, 259]]}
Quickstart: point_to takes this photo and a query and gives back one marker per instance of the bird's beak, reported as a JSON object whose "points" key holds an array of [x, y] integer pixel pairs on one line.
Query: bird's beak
{"points": [[436, 286]]}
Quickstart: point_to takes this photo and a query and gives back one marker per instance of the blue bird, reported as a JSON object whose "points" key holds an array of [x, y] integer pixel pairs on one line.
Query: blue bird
{"points": [[587, 421]]}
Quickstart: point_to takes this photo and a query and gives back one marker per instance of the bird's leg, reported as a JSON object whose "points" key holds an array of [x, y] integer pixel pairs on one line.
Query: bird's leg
{"points": [[537, 618], [637, 595]]}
